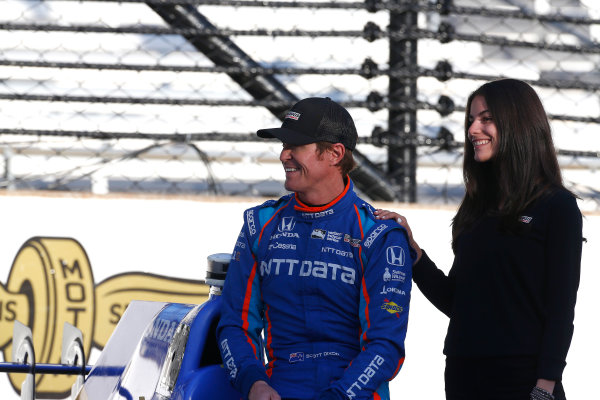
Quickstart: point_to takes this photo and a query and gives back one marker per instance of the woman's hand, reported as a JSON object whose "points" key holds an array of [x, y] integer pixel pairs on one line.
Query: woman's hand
{"points": [[386, 214], [546, 384], [543, 390]]}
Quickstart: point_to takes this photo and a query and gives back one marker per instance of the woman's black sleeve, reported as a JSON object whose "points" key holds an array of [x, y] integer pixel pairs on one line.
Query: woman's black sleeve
{"points": [[434, 284], [563, 267]]}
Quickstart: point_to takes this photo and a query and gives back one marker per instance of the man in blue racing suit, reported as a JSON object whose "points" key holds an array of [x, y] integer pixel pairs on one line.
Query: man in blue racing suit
{"points": [[316, 282]]}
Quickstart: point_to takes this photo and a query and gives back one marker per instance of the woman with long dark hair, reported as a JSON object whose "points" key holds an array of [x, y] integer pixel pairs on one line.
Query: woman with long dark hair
{"points": [[517, 237]]}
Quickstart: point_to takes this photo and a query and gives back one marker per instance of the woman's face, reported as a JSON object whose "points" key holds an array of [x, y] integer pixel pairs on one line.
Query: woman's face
{"points": [[482, 132]]}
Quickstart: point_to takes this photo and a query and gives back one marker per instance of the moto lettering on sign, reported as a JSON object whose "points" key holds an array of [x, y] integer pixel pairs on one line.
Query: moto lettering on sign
{"points": [[62, 289]]}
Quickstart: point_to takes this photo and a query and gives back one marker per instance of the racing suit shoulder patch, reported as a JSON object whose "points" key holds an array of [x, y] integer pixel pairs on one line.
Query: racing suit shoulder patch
{"points": [[372, 226], [374, 232], [367, 218], [368, 209], [382, 228], [257, 216], [270, 207], [275, 204]]}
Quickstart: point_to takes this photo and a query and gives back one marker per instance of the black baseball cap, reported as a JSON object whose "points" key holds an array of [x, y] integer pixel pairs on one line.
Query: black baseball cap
{"points": [[315, 119]]}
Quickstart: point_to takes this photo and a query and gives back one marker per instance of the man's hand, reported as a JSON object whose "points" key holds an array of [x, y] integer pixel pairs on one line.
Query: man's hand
{"points": [[261, 390]]}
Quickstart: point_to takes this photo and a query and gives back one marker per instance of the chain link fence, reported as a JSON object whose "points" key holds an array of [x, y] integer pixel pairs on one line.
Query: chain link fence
{"points": [[164, 96]]}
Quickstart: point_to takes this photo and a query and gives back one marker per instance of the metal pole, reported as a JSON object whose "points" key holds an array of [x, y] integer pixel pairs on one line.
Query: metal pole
{"points": [[402, 159]]}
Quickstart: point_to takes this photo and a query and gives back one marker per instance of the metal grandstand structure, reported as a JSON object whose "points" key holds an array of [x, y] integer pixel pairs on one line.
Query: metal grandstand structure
{"points": [[165, 95]]}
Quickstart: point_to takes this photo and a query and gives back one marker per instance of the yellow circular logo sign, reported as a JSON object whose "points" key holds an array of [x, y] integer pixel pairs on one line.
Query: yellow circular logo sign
{"points": [[51, 282]]}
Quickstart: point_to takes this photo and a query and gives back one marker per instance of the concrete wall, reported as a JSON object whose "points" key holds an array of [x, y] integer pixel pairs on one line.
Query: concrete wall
{"points": [[172, 237]]}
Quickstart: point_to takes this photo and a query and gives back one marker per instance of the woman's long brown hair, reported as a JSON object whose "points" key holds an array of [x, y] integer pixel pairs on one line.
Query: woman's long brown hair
{"points": [[525, 165]]}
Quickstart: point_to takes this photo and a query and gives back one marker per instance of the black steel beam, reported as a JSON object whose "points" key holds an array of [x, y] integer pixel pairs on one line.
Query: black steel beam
{"points": [[402, 159], [223, 52]]}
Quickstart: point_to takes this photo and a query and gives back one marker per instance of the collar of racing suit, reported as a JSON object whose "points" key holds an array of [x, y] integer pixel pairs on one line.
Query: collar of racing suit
{"points": [[340, 202]]}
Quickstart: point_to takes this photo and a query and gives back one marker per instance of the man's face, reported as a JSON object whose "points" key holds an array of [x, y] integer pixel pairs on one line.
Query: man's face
{"points": [[304, 168]]}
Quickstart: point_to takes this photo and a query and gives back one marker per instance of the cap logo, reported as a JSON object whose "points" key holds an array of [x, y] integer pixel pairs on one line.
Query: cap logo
{"points": [[293, 115]]}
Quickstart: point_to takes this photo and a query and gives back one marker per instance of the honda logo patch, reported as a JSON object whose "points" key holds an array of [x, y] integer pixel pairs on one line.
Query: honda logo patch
{"points": [[287, 224], [395, 255]]}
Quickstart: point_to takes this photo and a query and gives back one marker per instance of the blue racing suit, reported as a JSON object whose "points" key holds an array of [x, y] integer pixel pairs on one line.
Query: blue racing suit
{"points": [[329, 289]]}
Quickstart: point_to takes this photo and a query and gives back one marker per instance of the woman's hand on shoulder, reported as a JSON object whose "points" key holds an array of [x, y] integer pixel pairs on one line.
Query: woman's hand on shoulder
{"points": [[386, 214]]}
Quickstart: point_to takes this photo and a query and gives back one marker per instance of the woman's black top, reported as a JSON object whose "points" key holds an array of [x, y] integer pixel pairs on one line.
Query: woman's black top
{"points": [[512, 294]]}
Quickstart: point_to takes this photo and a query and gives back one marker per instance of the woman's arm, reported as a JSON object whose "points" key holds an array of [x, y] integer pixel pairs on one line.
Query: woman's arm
{"points": [[432, 282], [563, 265]]}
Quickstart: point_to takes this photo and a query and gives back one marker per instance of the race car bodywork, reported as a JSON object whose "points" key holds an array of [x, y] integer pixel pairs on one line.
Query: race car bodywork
{"points": [[162, 351]]}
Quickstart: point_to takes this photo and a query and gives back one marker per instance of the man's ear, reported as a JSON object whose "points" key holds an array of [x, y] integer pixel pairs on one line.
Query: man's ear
{"points": [[336, 153]]}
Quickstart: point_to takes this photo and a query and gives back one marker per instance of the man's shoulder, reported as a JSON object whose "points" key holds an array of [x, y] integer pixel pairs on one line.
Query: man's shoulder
{"points": [[271, 203], [256, 216], [374, 229], [368, 218], [365, 209]]}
